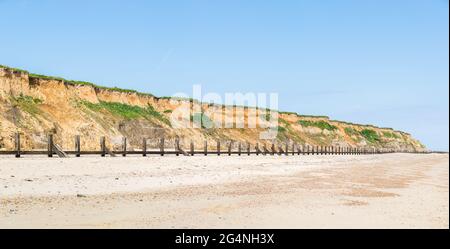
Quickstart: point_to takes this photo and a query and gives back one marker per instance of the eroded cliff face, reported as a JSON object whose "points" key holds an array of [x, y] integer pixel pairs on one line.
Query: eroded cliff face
{"points": [[37, 106]]}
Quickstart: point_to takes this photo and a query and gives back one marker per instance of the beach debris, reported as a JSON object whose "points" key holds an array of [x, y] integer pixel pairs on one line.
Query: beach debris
{"points": [[81, 196]]}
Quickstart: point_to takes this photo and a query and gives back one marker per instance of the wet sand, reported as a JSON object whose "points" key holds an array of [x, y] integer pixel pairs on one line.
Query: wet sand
{"points": [[327, 191]]}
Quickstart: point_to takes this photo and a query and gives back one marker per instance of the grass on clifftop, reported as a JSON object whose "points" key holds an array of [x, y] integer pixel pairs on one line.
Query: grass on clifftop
{"points": [[75, 82], [126, 111], [319, 124]]}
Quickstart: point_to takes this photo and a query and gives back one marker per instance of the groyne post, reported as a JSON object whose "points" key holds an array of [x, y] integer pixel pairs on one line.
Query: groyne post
{"points": [[144, 147], [50, 145], [124, 146], [17, 142], [102, 146], [161, 146], [77, 146]]}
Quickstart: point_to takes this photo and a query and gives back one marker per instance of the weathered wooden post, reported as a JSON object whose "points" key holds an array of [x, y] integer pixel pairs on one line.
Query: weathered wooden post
{"points": [[218, 147], [280, 150], [77, 146], [273, 149], [50, 145], [177, 146], [161, 146], [287, 149], [239, 148], [192, 148], [307, 149], [124, 146], [293, 149], [205, 147], [17, 141], [229, 147], [144, 147], [102, 146], [248, 148], [257, 149], [17, 145]]}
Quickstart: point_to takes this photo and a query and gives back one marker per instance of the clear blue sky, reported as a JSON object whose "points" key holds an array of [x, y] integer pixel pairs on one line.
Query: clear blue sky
{"points": [[378, 62]]}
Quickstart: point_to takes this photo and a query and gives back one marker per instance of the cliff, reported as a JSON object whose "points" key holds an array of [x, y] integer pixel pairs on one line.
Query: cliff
{"points": [[36, 105]]}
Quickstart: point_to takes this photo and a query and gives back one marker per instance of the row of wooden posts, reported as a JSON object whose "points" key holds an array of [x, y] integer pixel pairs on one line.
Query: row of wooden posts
{"points": [[285, 149]]}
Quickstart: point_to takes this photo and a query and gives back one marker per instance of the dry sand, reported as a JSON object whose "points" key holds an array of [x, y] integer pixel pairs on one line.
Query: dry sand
{"points": [[365, 191]]}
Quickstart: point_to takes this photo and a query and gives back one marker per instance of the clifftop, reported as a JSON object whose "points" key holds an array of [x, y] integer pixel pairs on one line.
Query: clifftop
{"points": [[36, 105]]}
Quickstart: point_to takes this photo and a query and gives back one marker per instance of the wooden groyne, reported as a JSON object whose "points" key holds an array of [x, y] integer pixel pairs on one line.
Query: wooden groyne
{"points": [[280, 149]]}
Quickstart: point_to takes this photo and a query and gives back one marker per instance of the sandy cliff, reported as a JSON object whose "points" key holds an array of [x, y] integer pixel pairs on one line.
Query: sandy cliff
{"points": [[36, 106]]}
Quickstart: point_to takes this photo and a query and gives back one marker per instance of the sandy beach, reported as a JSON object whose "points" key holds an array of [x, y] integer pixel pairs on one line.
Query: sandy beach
{"points": [[327, 191]]}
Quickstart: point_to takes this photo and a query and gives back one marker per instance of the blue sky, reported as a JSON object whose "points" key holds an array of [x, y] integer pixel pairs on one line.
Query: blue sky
{"points": [[378, 62]]}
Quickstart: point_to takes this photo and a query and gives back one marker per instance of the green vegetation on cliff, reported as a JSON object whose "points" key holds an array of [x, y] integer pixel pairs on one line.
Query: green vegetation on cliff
{"points": [[202, 120], [126, 111], [319, 124], [390, 135], [350, 131], [370, 135], [27, 104]]}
